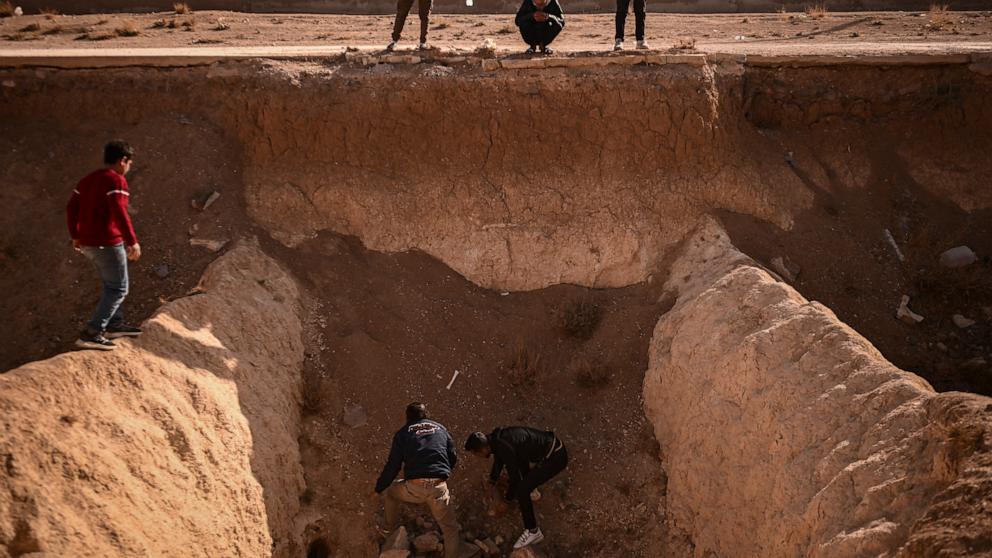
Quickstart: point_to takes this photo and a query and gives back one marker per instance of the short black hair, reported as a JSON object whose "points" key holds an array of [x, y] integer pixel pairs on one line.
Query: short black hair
{"points": [[117, 150], [416, 411], [476, 441]]}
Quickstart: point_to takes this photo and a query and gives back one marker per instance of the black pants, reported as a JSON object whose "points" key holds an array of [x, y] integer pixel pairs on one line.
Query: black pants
{"points": [[622, 6], [540, 474], [539, 32], [403, 9]]}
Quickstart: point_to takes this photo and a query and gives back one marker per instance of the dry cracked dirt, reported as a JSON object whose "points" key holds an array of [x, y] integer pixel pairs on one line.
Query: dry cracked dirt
{"points": [[593, 250]]}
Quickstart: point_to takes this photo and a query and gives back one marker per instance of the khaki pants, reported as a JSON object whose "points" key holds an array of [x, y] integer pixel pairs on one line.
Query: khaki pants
{"points": [[437, 498]]}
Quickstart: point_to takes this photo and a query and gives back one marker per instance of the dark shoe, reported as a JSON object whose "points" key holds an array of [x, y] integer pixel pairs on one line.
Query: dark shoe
{"points": [[121, 330], [530, 50], [97, 342], [547, 51], [391, 46]]}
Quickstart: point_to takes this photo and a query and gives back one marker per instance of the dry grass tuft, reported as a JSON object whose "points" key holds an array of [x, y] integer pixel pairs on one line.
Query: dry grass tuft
{"points": [[591, 373], [182, 8], [54, 30], [524, 365], [127, 29], [816, 11], [31, 28], [189, 24], [685, 44], [49, 13], [101, 36], [579, 318], [939, 15], [6, 8], [221, 26]]}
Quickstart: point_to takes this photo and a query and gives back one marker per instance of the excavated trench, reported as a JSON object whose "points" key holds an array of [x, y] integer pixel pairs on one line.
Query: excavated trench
{"points": [[565, 239]]}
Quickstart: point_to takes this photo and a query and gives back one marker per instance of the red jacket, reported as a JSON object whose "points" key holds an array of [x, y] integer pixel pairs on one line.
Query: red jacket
{"points": [[97, 211]]}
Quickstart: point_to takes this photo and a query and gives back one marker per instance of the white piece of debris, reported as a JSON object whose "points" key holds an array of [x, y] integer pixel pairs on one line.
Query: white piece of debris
{"points": [[961, 321], [959, 256], [905, 314], [212, 245], [892, 242], [453, 378], [18, 11], [8, 83], [214, 196]]}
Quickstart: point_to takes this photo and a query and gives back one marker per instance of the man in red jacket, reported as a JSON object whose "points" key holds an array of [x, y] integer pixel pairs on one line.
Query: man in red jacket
{"points": [[101, 229]]}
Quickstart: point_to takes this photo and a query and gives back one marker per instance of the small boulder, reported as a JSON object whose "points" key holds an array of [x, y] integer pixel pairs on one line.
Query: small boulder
{"points": [[427, 542], [961, 321], [528, 552], [212, 245], [959, 256], [354, 417], [162, 271]]}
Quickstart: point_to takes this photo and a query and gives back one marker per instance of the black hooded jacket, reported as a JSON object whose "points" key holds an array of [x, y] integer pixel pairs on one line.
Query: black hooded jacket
{"points": [[525, 15], [424, 450], [516, 447]]}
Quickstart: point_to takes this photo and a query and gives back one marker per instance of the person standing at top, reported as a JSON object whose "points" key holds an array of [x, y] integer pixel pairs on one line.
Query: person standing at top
{"points": [[531, 457], [402, 10], [540, 21], [621, 20], [426, 453], [101, 229]]}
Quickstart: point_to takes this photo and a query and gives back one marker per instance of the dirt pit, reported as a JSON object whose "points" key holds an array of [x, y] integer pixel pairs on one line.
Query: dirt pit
{"points": [[520, 227]]}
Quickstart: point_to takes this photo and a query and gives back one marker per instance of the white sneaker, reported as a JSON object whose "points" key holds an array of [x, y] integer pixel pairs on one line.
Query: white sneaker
{"points": [[618, 45], [391, 46], [423, 46], [642, 45], [528, 538]]}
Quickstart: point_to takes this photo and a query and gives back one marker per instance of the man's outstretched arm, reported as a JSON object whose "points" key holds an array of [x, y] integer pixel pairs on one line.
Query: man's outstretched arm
{"points": [[392, 468]]}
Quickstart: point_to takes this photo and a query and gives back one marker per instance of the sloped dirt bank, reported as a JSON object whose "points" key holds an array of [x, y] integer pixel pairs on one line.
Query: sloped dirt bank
{"points": [[182, 443], [787, 434]]}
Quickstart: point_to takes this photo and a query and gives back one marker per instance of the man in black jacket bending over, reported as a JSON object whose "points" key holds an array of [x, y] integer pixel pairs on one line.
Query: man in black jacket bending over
{"points": [[427, 455], [540, 21], [518, 448]]}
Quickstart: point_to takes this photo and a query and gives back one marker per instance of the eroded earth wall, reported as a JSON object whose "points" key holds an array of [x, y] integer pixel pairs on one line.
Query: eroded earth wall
{"points": [[181, 443], [785, 433]]}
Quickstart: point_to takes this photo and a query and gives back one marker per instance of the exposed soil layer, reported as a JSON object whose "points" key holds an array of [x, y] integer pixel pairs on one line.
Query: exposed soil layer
{"points": [[794, 32]]}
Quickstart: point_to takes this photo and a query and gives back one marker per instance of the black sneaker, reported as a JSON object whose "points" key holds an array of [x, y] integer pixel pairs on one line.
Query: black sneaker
{"points": [[98, 342], [121, 330]]}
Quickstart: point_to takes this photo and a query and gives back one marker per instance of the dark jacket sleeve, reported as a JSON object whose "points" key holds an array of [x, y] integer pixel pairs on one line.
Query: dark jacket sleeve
{"points": [[506, 455], [525, 13], [496, 470], [72, 214], [452, 453], [555, 14], [392, 467]]}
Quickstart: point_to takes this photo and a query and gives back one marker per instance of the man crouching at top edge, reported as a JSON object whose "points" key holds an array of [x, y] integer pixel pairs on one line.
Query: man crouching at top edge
{"points": [[531, 457], [426, 452], [540, 21]]}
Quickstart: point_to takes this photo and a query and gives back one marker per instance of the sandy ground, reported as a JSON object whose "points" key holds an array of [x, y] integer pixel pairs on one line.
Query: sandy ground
{"points": [[765, 33]]}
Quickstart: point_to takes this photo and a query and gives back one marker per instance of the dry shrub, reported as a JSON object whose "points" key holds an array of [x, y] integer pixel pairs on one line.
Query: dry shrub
{"points": [[938, 15], [591, 373], [165, 24], [579, 318], [685, 44], [189, 24], [816, 11], [49, 13], [505, 30], [31, 28], [524, 365], [221, 26], [182, 8], [127, 29], [6, 8]]}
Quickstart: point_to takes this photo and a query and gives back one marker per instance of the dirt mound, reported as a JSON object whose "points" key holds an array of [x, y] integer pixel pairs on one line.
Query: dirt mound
{"points": [[178, 443], [787, 433]]}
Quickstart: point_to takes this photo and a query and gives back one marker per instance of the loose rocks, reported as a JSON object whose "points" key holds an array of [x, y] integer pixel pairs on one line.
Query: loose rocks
{"points": [[959, 256]]}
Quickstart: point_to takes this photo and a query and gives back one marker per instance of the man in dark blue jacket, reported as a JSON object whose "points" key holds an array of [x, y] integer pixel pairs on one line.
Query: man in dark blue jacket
{"points": [[531, 458], [426, 453], [540, 21]]}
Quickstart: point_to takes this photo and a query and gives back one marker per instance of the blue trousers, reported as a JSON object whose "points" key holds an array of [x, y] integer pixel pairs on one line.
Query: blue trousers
{"points": [[111, 263]]}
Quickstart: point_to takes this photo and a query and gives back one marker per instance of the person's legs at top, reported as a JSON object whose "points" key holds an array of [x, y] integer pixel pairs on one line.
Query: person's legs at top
{"points": [[639, 18], [528, 32], [424, 10], [621, 22], [548, 34], [537, 476], [402, 10], [443, 511]]}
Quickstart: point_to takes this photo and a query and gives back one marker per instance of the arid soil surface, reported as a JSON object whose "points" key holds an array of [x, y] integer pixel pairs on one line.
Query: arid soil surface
{"points": [[792, 32]]}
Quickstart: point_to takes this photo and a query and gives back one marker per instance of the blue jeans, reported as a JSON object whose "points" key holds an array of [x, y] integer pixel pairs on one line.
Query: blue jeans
{"points": [[111, 264]]}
